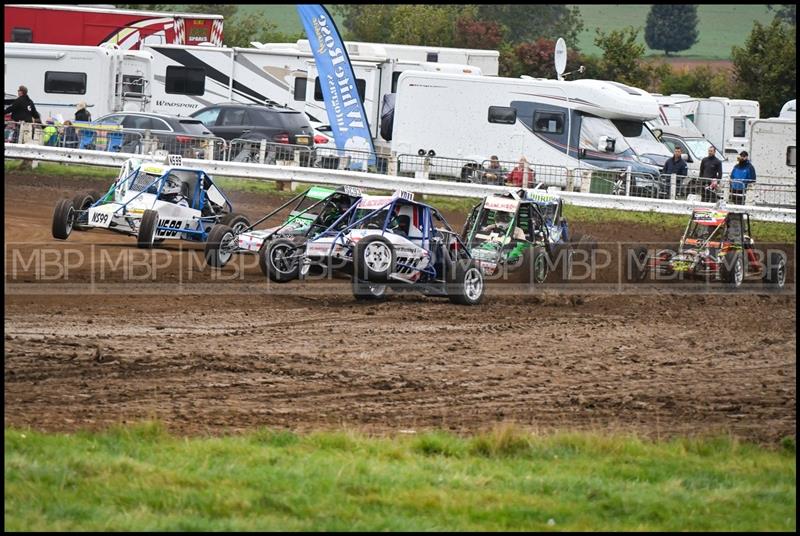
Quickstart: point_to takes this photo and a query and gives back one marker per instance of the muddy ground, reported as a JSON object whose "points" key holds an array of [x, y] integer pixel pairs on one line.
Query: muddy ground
{"points": [[94, 335]]}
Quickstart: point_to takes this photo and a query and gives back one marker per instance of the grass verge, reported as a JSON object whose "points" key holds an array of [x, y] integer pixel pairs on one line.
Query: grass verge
{"points": [[762, 231], [141, 478]]}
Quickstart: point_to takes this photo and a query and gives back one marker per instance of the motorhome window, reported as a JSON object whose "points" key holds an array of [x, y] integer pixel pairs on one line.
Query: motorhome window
{"points": [[300, 89], [502, 115], [640, 138], [132, 83], [395, 78], [595, 128], [739, 124], [361, 85], [432, 57], [21, 35], [61, 82], [185, 80], [551, 123], [791, 156]]}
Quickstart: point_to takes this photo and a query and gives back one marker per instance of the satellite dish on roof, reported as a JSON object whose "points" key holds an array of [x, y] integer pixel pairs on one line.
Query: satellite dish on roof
{"points": [[561, 57]]}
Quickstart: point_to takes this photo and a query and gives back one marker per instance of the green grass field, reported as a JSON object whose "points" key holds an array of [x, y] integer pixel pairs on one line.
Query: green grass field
{"points": [[720, 26], [764, 231], [140, 478]]}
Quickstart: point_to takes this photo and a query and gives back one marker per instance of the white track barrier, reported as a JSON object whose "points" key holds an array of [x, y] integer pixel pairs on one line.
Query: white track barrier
{"points": [[384, 182]]}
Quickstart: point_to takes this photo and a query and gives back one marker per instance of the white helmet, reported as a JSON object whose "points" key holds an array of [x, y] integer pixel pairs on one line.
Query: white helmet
{"points": [[172, 185]]}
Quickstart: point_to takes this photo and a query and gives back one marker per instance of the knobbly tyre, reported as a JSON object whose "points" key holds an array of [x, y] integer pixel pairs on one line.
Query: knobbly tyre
{"points": [[513, 240], [152, 201], [313, 211], [398, 243], [716, 246]]}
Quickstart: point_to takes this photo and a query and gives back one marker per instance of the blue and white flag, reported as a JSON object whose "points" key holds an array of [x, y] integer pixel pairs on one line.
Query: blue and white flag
{"points": [[345, 110]]}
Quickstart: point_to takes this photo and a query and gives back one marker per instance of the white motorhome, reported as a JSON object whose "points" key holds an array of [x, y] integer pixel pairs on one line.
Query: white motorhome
{"points": [[773, 148], [577, 124], [59, 76]]}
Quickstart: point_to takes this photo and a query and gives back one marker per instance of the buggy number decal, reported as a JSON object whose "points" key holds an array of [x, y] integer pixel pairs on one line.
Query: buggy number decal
{"points": [[98, 218], [174, 227], [353, 191]]}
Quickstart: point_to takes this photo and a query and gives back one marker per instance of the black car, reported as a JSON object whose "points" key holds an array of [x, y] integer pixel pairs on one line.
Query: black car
{"points": [[277, 125], [177, 135]]}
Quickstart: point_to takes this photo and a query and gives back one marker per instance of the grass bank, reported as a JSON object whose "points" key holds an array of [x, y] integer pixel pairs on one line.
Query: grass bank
{"points": [[762, 231], [141, 478]]}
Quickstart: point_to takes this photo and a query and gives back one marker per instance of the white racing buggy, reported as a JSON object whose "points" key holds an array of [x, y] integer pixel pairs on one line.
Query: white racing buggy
{"points": [[312, 212], [152, 201], [395, 242]]}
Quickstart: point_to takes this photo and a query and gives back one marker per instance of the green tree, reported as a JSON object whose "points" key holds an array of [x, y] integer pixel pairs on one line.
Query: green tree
{"points": [[414, 24], [785, 12], [526, 22], [765, 68], [366, 22], [671, 27], [622, 60]]}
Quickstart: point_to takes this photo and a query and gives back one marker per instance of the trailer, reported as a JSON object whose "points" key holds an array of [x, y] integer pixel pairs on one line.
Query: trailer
{"points": [[98, 25], [58, 77]]}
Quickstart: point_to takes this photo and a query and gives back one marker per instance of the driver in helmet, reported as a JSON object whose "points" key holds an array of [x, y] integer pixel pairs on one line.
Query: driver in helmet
{"points": [[171, 192], [334, 209], [500, 225]]}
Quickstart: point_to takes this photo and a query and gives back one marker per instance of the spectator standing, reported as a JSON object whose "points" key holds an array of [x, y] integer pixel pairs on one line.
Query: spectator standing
{"points": [[22, 109], [742, 174], [676, 165], [710, 168], [82, 113]]}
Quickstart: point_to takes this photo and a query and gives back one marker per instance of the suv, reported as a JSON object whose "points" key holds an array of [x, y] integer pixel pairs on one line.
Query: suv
{"points": [[256, 122], [176, 135]]}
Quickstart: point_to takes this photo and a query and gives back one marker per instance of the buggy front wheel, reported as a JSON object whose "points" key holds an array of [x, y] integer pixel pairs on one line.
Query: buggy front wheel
{"points": [[279, 261], [146, 238], [467, 286], [220, 246], [63, 219]]}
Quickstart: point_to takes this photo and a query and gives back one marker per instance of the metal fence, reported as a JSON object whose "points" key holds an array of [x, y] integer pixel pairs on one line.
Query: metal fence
{"points": [[272, 153]]}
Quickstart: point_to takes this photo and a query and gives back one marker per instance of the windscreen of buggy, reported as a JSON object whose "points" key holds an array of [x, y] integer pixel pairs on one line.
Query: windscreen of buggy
{"points": [[140, 181], [702, 232], [489, 229], [306, 210]]}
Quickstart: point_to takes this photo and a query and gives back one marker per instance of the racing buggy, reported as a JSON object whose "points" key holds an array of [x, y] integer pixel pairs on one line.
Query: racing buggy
{"points": [[716, 246], [153, 202], [520, 236], [398, 243], [279, 247]]}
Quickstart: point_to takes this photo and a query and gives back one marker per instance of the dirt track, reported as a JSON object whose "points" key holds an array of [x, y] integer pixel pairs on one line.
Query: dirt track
{"points": [[213, 356]]}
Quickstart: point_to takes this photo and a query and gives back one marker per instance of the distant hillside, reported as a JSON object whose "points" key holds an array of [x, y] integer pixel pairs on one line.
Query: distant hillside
{"points": [[721, 26]]}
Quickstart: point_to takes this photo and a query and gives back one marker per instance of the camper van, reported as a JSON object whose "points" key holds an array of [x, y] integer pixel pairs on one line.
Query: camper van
{"points": [[789, 110], [59, 76], [773, 148], [578, 124]]}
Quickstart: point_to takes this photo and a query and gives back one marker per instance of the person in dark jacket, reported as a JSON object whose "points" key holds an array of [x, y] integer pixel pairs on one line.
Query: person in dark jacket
{"points": [[742, 175], [676, 165], [22, 109], [82, 114], [710, 168]]}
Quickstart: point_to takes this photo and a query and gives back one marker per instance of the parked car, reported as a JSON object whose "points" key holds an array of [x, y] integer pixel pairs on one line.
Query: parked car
{"points": [[252, 123], [176, 135]]}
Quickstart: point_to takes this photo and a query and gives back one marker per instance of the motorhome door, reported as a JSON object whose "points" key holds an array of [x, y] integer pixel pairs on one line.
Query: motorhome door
{"points": [[133, 87]]}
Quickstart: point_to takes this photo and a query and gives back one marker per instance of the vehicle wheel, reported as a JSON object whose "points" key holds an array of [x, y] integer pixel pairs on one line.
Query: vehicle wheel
{"points": [[775, 276], [366, 291], [63, 219], [279, 261], [374, 259], [146, 238], [82, 202], [220, 246], [236, 221], [732, 269], [467, 285], [636, 264]]}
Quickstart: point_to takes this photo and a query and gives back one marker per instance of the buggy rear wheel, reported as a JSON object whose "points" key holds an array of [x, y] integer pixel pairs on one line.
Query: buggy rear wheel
{"points": [[220, 246], [279, 261], [63, 219], [775, 276], [236, 221], [146, 238], [732, 269]]}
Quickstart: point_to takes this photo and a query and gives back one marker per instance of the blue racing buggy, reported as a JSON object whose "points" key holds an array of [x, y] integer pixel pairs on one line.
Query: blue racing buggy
{"points": [[398, 243]]}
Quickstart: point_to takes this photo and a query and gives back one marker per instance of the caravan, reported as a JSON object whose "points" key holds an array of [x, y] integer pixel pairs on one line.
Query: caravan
{"points": [[58, 77], [589, 124]]}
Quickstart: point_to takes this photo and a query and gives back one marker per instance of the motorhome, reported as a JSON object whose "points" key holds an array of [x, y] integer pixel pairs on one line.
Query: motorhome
{"points": [[773, 148], [577, 124], [58, 77], [98, 25]]}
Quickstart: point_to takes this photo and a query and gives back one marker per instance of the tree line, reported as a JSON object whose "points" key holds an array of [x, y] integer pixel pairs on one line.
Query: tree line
{"points": [[763, 68]]}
